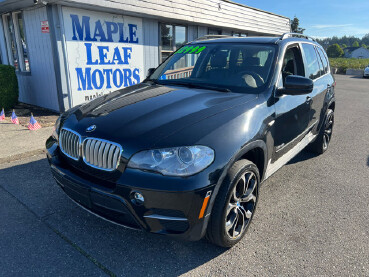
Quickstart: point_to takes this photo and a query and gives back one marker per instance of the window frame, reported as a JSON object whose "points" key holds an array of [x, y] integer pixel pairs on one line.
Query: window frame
{"points": [[174, 47], [18, 43]]}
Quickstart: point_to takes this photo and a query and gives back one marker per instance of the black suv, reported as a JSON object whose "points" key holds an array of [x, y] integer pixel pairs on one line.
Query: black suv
{"points": [[184, 152]]}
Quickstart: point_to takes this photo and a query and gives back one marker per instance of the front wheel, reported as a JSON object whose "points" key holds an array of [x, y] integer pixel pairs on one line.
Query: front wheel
{"points": [[235, 204], [321, 143]]}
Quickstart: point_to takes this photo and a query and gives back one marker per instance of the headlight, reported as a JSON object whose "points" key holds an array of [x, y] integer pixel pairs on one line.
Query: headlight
{"points": [[57, 128], [176, 161]]}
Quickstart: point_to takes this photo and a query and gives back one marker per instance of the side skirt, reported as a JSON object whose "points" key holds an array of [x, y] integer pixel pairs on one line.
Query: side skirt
{"points": [[273, 167]]}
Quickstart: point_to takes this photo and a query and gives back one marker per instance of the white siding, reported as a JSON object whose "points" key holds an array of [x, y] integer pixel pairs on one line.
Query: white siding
{"points": [[203, 12], [38, 87], [3, 53], [151, 42]]}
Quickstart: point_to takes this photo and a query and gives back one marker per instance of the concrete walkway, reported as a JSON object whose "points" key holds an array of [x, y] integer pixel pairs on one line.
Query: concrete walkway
{"points": [[17, 142]]}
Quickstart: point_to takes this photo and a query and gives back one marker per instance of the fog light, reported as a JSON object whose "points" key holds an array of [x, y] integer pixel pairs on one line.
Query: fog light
{"points": [[138, 198]]}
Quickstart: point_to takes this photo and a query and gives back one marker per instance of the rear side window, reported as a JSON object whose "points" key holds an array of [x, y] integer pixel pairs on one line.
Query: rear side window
{"points": [[312, 65], [324, 59]]}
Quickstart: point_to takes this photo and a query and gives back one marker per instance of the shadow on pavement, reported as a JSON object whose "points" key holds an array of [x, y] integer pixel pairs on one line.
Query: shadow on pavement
{"points": [[302, 156], [120, 250], [367, 162]]}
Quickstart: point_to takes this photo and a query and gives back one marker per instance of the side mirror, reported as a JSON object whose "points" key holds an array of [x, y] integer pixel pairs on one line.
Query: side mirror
{"points": [[150, 71], [296, 85]]}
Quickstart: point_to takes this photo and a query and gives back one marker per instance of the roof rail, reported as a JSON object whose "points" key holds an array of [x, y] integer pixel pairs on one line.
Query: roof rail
{"points": [[287, 35], [206, 37]]}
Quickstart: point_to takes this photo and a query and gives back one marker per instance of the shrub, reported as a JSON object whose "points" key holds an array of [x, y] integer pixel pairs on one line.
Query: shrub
{"points": [[335, 51], [8, 87], [343, 64]]}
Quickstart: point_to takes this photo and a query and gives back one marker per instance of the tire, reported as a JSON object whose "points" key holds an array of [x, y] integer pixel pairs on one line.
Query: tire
{"points": [[321, 143], [235, 205]]}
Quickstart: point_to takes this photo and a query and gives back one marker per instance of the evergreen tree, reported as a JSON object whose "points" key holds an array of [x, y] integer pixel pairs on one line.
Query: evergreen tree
{"points": [[295, 26], [356, 44]]}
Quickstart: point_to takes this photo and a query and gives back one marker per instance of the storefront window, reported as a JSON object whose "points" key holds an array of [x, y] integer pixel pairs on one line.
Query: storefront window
{"points": [[23, 42], [167, 37], [180, 35], [235, 34], [16, 41], [12, 45], [172, 37], [214, 31]]}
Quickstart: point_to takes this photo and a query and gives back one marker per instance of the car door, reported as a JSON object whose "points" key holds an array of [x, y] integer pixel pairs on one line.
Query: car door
{"points": [[322, 86], [314, 71], [292, 112]]}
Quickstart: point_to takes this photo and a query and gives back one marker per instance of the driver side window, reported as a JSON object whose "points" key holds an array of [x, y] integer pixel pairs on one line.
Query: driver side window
{"points": [[292, 63]]}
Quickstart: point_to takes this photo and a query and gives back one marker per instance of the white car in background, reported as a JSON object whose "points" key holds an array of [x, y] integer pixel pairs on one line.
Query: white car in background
{"points": [[366, 72]]}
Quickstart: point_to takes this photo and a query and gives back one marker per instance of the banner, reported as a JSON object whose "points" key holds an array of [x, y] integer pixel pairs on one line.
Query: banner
{"points": [[104, 52]]}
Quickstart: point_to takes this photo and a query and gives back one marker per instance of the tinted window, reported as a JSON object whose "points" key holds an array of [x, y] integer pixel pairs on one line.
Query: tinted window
{"points": [[324, 59], [321, 71], [292, 63], [237, 67], [312, 65]]}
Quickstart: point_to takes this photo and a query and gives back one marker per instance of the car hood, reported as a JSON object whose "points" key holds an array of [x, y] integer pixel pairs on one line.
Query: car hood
{"points": [[139, 116]]}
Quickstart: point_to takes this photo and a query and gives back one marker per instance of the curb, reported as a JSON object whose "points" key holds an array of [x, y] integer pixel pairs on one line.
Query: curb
{"points": [[21, 156]]}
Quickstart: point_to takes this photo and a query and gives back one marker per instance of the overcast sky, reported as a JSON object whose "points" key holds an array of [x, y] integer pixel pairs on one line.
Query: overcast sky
{"points": [[321, 18]]}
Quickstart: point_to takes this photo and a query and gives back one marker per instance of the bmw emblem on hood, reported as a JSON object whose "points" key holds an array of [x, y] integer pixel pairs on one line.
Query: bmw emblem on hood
{"points": [[91, 128]]}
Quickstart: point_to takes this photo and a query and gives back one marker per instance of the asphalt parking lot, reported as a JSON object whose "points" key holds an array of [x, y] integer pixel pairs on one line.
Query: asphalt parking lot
{"points": [[312, 218]]}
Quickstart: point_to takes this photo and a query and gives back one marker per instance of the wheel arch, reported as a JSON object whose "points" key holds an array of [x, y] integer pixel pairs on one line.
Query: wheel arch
{"points": [[255, 151]]}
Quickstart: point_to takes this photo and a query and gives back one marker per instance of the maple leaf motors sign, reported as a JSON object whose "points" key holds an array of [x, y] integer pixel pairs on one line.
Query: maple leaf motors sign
{"points": [[104, 52]]}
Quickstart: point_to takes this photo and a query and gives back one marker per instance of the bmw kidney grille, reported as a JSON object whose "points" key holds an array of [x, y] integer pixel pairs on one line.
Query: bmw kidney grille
{"points": [[97, 153]]}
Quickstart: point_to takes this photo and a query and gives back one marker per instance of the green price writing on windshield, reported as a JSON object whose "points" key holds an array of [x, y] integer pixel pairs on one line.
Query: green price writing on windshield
{"points": [[191, 50]]}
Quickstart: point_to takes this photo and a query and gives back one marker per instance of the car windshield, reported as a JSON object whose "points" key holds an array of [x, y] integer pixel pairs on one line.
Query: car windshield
{"points": [[237, 67]]}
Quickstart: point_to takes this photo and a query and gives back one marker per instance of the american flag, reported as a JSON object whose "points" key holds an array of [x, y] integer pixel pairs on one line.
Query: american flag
{"points": [[33, 124], [14, 118], [2, 115]]}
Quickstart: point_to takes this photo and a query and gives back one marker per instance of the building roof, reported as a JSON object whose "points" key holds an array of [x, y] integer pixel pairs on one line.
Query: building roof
{"points": [[350, 49], [211, 13]]}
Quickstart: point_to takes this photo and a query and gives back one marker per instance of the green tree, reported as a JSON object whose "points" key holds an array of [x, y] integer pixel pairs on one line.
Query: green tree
{"points": [[295, 26], [356, 44], [364, 45], [335, 51], [343, 46]]}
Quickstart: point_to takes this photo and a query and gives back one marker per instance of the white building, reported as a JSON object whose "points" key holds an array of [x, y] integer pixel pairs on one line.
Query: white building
{"points": [[356, 52], [67, 52]]}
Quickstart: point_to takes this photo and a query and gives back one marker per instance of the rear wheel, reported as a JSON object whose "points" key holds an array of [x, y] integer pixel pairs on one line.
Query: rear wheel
{"points": [[321, 143], [235, 204]]}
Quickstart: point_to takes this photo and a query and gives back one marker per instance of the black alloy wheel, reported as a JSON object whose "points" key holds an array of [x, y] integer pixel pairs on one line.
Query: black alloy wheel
{"points": [[241, 205], [235, 204], [328, 128], [321, 143]]}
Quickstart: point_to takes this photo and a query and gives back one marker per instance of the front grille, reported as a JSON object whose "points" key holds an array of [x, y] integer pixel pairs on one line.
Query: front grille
{"points": [[101, 154], [70, 142]]}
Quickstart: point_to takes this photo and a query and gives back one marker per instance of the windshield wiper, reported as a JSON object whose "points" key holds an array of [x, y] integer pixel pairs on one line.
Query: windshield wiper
{"points": [[199, 85], [152, 81]]}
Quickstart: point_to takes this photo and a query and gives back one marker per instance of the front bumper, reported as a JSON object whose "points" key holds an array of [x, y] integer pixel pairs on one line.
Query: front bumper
{"points": [[170, 212]]}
